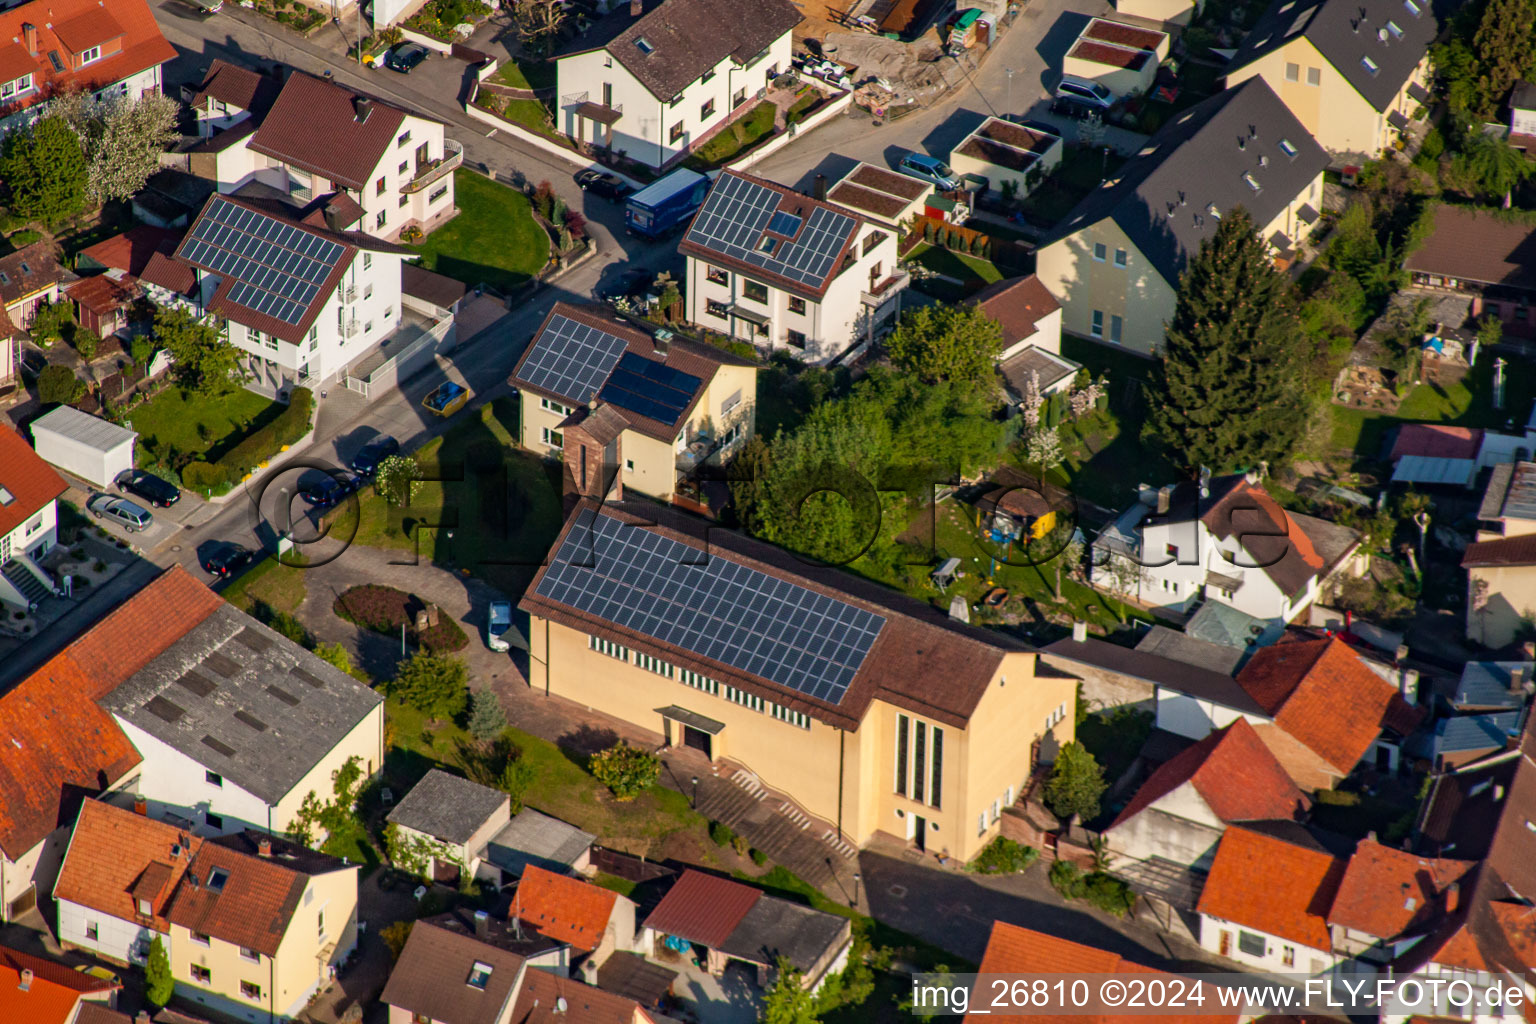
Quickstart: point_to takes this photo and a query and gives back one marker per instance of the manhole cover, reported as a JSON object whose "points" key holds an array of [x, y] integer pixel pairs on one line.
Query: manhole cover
{"points": [[898, 891]]}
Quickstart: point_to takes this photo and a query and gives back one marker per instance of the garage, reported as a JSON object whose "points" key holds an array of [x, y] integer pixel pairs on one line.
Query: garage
{"points": [[86, 446]]}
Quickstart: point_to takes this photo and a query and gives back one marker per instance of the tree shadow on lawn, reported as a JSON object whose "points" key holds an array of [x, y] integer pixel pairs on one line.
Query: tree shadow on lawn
{"points": [[474, 274], [581, 743]]}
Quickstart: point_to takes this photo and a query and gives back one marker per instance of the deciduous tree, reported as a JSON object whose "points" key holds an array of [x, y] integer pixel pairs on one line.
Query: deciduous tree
{"points": [[204, 362], [44, 171], [955, 344], [627, 771], [1076, 784], [787, 1001]]}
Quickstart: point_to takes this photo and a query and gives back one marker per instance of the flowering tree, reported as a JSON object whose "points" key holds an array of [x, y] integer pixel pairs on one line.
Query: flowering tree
{"points": [[1032, 400], [122, 137]]}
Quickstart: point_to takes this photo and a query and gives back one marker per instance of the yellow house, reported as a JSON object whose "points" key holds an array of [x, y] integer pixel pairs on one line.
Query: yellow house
{"points": [[1501, 564], [1114, 264], [872, 711], [669, 404], [1352, 71], [252, 925]]}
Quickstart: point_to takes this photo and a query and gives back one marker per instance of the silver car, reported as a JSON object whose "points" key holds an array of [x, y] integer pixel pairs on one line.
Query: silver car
{"points": [[128, 515], [497, 621]]}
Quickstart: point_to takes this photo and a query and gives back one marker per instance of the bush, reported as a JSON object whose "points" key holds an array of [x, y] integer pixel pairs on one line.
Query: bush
{"points": [[58, 384], [721, 833], [1003, 856], [385, 609], [432, 684], [395, 936], [203, 476], [1098, 888], [1337, 798], [627, 771], [261, 444], [24, 237], [758, 857], [87, 342]]}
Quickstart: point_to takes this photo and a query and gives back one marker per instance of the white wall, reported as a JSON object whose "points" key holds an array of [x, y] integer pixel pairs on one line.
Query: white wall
{"points": [[1179, 826], [83, 460], [173, 783], [1195, 718], [36, 534], [38, 867], [1304, 959], [115, 938]]}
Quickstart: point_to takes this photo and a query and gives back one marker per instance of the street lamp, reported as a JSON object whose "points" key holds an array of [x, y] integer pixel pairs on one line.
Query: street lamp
{"points": [[856, 877], [1008, 108], [695, 801]]}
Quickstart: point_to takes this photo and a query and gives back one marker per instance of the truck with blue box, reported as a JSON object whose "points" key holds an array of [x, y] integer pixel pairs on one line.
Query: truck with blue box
{"points": [[657, 209]]}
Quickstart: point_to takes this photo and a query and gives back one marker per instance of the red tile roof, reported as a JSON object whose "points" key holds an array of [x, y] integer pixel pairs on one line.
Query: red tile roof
{"points": [[1272, 886], [1234, 773], [702, 908], [1322, 694], [131, 250], [237, 87], [314, 125], [69, 26], [63, 975], [1504, 551], [538, 1002], [1389, 893], [1018, 304], [253, 909], [116, 858], [1437, 441], [52, 996], [101, 294], [31, 481], [565, 909]]}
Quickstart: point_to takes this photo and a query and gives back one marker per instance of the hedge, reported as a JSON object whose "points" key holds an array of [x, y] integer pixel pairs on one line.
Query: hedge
{"points": [[264, 442]]}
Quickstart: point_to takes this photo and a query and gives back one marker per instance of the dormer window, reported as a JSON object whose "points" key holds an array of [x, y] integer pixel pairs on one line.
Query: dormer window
{"points": [[19, 87], [645, 46], [6, 497], [145, 909], [479, 975], [90, 56]]}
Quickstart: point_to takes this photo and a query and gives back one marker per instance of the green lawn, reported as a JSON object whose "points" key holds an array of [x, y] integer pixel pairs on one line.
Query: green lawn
{"points": [[1106, 458], [494, 240], [530, 74], [1468, 403], [271, 583], [969, 270], [741, 134], [502, 504], [1079, 173], [186, 423]]}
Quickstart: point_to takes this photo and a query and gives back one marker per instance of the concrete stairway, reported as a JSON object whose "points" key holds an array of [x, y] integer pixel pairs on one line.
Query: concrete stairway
{"points": [[25, 581], [778, 827]]}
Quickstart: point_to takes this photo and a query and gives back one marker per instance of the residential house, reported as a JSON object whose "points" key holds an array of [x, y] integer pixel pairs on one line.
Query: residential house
{"points": [[1354, 72], [1501, 563], [1522, 116], [64, 746], [1484, 715], [882, 196], [35, 990], [594, 922], [1461, 810], [1031, 321], [1266, 900], [787, 272], [143, 257], [10, 358], [532, 839], [231, 95], [29, 493], [1388, 898], [1223, 539], [653, 408], [1181, 811], [645, 82], [300, 298], [1122, 58], [488, 974], [387, 168], [237, 725], [30, 277], [55, 46], [252, 926], [738, 922], [1477, 252], [1013, 158], [1115, 262], [874, 713]]}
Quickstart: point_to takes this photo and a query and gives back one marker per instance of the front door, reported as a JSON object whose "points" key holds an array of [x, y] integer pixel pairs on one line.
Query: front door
{"points": [[22, 904], [1226, 944], [423, 157], [698, 739], [920, 831]]}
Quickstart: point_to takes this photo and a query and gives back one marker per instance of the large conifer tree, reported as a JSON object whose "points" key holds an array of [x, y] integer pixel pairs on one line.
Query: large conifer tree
{"points": [[1229, 392]]}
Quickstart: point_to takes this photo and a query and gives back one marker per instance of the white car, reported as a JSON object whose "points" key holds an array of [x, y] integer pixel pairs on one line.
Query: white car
{"points": [[497, 622]]}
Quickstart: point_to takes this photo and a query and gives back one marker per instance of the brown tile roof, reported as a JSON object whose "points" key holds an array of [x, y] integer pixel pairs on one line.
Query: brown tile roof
{"points": [[131, 250], [1390, 893], [437, 289], [563, 908], [253, 909], [1504, 551], [168, 272], [1321, 693], [99, 1013], [66, 27], [922, 661], [677, 52], [702, 908], [116, 857], [239, 87], [42, 270], [1018, 303], [52, 996], [1234, 773], [1271, 537], [538, 1002], [32, 483], [432, 973], [101, 294], [314, 125], [1478, 246], [1113, 56], [1274, 886], [1436, 441]]}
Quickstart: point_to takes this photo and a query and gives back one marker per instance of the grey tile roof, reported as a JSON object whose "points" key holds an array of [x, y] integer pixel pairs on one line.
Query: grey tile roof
{"points": [[244, 702], [1170, 643], [1485, 684], [1201, 159], [684, 39], [1218, 623], [776, 928], [1465, 733], [538, 839], [1389, 33], [1492, 506], [447, 807]]}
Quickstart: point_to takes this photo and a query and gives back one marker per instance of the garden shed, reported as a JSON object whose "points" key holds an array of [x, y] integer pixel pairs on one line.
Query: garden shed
{"points": [[86, 446]]}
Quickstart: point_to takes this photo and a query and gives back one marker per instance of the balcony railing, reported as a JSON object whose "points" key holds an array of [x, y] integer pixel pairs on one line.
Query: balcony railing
{"points": [[426, 174], [886, 290], [351, 328]]}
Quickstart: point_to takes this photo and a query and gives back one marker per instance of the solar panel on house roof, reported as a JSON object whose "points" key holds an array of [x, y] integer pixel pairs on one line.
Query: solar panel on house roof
{"points": [[736, 214], [650, 388], [277, 268], [572, 359], [714, 607]]}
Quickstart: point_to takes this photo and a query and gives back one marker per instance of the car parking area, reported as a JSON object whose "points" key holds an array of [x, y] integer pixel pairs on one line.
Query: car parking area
{"points": [[165, 524]]}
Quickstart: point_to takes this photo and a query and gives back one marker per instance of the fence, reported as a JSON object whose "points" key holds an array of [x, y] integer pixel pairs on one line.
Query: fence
{"points": [[784, 138], [407, 361]]}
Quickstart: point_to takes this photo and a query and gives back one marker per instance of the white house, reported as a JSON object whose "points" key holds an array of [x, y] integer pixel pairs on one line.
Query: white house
{"points": [[787, 272], [230, 95], [237, 725], [1030, 318], [1226, 540], [29, 492], [301, 298], [655, 78], [385, 168]]}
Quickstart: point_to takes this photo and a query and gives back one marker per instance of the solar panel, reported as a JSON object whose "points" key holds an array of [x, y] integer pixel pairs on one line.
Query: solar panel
{"points": [[737, 212], [650, 388], [277, 267], [572, 359], [717, 608]]}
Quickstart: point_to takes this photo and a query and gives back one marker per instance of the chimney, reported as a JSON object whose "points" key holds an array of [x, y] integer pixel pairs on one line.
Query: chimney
{"points": [[1370, 837], [1452, 897], [141, 807], [362, 106], [1529, 648], [29, 35], [1408, 685], [482, 924], [264, 846], [959, 610], [821, 187], [26, 979], [662, 341], [1164, 499], [636, 8], [1079, 630], [1517, 679], [1252, 476], [589, 971], [142, 1018]]}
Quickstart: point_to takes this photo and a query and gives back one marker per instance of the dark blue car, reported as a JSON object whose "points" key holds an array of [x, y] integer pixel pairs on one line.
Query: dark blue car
{"points": [[366, 462]]}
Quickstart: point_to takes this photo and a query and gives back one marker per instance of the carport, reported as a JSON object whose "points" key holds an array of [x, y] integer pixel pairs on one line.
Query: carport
{"points": [[89, 447]]}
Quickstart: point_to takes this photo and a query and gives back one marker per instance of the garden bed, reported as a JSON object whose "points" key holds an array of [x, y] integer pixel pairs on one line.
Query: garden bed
{"points": [[438, 18], [386, 610]]}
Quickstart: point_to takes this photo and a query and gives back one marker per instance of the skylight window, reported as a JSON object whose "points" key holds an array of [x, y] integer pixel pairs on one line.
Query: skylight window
{"points": [[767, 244], [1251, 181], [645, 45], [1369, 65], [217, 879], [1413, 8], [1395, 29], [785, 224], [6, 497], [479, 975], [1287, 148]]}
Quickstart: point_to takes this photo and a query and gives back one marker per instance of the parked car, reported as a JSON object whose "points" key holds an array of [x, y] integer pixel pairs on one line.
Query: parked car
{"points": [[621, 284], [1088, 93], [609, 186], [366, 462], [329, 491], [125, 513], [405, 57], [198, 8], [926, 168], [97, 971], [158, 492], [497, 621], [225, 560]]}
